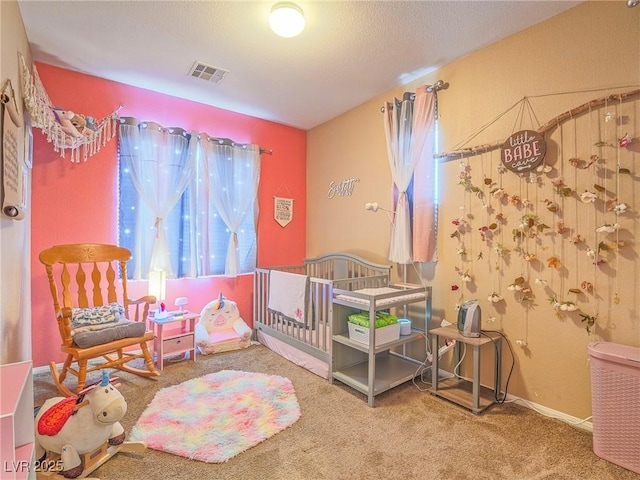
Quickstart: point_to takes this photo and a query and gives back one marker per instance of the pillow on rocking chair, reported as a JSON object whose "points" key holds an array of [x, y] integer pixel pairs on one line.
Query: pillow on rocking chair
{"points": [[93, 316], [103, 324]]}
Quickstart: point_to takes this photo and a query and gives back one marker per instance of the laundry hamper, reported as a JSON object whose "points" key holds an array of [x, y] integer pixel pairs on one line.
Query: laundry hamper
{"points": [[615, 392]]}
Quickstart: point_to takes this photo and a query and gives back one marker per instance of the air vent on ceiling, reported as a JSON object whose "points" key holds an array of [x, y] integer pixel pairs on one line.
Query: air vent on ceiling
{"points": [[208, 72]]}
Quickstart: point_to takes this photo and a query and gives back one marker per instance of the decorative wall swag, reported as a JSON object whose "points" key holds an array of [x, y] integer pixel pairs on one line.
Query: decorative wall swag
{"points": [[82, 135], [562, 227], [544, 129]]}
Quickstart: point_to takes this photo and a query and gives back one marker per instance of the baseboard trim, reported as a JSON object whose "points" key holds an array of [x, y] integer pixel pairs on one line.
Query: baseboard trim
{"points": [[546, 411], [550, 412]]}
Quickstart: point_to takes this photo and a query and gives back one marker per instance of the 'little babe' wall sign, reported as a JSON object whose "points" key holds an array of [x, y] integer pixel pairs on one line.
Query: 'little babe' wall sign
{"points": [[523, 151]]}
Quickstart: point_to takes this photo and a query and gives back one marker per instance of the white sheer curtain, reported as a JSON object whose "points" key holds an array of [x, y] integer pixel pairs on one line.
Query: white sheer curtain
{"points": [[161, 162], [424, 179], [230, 176], [406, 124]]}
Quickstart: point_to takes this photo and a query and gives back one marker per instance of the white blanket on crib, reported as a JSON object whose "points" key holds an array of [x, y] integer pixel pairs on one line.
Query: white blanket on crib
{"points": [[289, 295]]}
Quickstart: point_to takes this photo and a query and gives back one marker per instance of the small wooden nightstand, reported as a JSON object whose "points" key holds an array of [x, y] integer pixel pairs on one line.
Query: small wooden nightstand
{"points": [[469, 394], [170, 339]]}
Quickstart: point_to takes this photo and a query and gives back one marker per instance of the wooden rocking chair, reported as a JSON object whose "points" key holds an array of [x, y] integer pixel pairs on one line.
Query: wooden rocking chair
{"points": [[82, 276]]}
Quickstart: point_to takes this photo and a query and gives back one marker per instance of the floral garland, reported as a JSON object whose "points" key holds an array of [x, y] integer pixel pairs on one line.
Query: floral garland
{"points": [[533, 228]]}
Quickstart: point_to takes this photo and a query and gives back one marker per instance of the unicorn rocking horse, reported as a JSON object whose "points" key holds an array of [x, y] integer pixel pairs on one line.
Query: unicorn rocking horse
{"points": [[78, 434]]}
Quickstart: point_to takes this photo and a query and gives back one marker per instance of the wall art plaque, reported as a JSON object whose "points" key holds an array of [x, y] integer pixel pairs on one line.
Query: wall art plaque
{"points": [[523, 151]]}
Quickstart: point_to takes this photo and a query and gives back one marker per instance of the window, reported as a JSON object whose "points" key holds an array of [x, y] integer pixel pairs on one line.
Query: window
{"points": [[196, 236], [136, 227]]}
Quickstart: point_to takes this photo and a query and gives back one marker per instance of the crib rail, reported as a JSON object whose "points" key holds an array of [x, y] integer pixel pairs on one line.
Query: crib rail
{"points": [[339, 266], [313, 336], [358, 283]]}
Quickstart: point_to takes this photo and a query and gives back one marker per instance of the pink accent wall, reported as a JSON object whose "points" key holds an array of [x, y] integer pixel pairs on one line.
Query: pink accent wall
{"points": [[77, 202]]}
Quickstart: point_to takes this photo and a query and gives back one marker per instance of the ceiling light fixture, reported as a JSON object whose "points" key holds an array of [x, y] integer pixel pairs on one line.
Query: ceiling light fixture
{"points": [[286, 19]]}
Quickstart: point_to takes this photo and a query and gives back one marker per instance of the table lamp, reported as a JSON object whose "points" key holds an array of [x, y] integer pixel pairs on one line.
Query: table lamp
{"points": [[158, 288]]}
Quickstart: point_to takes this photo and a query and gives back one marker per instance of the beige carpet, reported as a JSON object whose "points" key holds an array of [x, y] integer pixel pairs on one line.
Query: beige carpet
{"points": [[408, 435]]}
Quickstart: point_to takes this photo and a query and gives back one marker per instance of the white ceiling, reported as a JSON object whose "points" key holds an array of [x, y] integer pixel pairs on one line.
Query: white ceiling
{"points": [[349, 52]]}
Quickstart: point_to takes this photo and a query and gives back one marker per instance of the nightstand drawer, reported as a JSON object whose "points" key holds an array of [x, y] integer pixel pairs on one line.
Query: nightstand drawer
{"points": [[178, 344]]}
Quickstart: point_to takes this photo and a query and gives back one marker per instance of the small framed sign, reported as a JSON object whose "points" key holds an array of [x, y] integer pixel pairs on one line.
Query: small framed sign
{"points": [[283, 210], [523, 151]]}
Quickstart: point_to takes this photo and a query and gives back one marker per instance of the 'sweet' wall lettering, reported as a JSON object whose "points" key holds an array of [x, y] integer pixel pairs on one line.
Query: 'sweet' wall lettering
{"points": [[342, 189]]}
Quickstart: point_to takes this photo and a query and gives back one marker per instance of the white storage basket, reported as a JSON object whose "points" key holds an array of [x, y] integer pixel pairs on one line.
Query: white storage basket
{"points": [[383, 334]]}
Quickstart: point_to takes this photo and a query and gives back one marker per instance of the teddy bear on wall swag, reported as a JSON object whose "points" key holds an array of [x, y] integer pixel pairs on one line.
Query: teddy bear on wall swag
{"points": [[221, 328]]}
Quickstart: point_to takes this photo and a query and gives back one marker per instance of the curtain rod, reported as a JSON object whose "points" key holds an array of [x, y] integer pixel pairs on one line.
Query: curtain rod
{"points": [[435, 88], [439, 85], [228, 141], [181, 131]]}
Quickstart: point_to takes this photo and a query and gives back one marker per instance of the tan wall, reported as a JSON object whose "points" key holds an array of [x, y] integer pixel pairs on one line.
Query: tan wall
{"points": [[593, 46], [15, 244]]}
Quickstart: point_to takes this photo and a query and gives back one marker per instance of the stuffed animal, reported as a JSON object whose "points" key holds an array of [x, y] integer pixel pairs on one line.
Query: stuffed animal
{"points": [[82, 125], [79, 122], [91, 123], [221, 328], [64, 118], [74, 426]]}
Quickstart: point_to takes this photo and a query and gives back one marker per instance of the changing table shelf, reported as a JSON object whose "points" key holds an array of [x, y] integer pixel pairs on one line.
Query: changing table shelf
{"points": [[345, 340], [390, 371], [366, 367]]}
